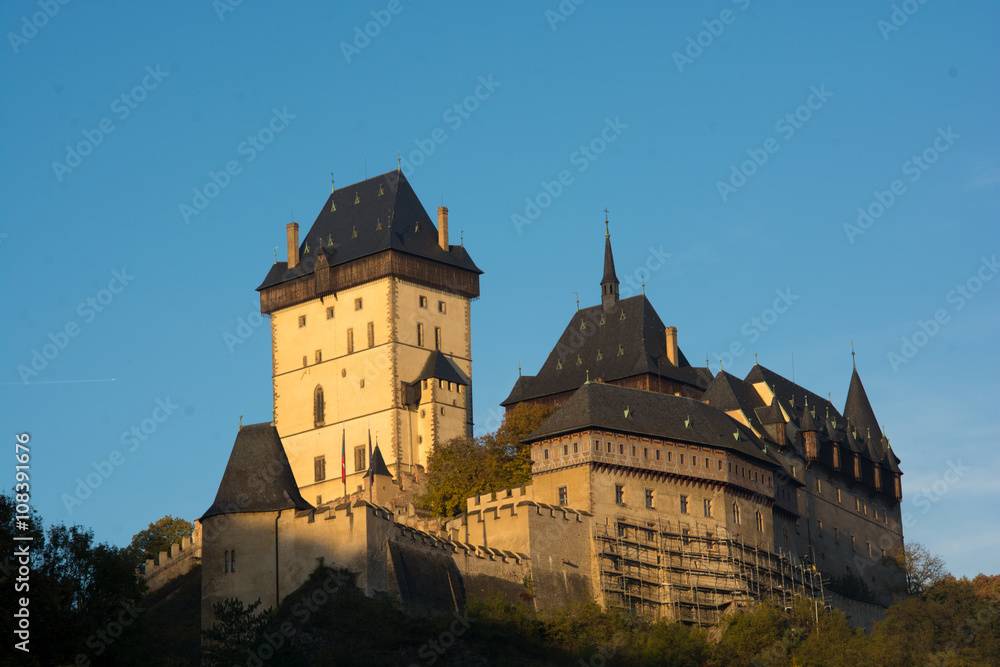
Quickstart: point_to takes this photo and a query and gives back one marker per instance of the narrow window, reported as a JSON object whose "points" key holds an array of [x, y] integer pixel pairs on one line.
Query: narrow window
{"points": [[819, 528], [357, 304], [836, 535], [420, 334], [545, 453], [684, 504], [819, 485], [857, 504], [565, 450], [302, 321], [563, 496], [350, 341], [319, 468], [319, 356], [649, 498], [361, 383], [329, 313], [682, 459], [760, 521], [708, 507], [621, 448], [227, 562], [645, 452], [670, 456], [619, 494], [633, 450], [869, 549], [736, 513], [853, 544], [319, 407], [686, 536], [441, 307], [232, 561], [371, 334], [305, 361], [609, 446], [319, 500], [576, 447], [423, 302], [838, 496], [437, 338], [359, 458]]}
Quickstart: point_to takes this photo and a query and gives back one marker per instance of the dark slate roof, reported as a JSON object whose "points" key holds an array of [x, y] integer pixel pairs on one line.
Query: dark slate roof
{"points": [[599, 405], [442, 368], [771, 414], [728, 392], [640, 335], [785, 390], [859, 411], [258, 477], [377, 465], [807, 422], [394, 219]]}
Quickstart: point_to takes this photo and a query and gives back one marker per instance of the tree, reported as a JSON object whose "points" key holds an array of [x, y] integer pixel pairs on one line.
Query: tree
{"points": [[158, 537], [921, 568], [237, 630], [462, 467]]}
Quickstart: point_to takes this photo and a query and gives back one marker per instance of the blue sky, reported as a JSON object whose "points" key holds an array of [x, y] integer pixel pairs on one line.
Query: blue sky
{"points": [[845, 155]]}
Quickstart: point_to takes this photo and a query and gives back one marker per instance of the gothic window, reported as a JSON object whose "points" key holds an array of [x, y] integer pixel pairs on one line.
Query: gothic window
{"points": [[760, 521], [736, 513], [319, 407]]}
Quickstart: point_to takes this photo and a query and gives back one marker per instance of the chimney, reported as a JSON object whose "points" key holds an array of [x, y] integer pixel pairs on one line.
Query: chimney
{"points": [[443, 227], [672, 354], [292, 228]]}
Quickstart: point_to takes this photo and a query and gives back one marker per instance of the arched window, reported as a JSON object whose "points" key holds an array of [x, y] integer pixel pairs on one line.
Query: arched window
{"points": [[760, 522], [319, 406], [736, 513]]}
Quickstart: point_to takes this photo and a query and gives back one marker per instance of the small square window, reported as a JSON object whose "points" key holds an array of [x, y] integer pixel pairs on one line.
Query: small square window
{"points": [[302, 321], [358, 304], [329, 313], [305, 361], [423, 302], [649, 498], [441, 307], [319, 356]]}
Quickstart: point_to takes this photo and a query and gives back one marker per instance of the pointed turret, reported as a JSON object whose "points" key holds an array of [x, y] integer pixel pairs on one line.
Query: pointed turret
{"points": [[858, 410], [609, 283]]}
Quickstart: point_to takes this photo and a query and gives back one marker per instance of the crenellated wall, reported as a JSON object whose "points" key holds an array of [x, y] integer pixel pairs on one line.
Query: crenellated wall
{"points": [[181, 558]]}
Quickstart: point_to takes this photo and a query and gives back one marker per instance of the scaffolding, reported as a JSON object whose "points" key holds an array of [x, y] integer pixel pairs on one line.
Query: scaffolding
{"points": [[691, 574]]}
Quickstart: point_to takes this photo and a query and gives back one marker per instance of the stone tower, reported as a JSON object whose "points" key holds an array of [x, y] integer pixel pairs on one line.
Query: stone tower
{"points": [[370, 333]]}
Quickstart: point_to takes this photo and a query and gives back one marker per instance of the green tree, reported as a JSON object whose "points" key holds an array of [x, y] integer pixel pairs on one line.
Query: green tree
{"points": [[237, 630], [148, 543]]}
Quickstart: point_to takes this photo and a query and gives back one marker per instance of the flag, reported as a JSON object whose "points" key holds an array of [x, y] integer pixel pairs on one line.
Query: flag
{"points": [[343, 457]]}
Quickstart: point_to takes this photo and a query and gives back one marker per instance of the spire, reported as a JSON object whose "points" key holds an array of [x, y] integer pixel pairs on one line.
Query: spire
{"points": [[858, 409], [609, 283]]}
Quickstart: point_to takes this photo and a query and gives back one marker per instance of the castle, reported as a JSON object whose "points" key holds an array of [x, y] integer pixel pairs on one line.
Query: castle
{"points": [[657, 486]]}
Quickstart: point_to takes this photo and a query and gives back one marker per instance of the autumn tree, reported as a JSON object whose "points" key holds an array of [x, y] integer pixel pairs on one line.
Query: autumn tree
{"points": [[148, 543], [921, 568], [466, 467]]}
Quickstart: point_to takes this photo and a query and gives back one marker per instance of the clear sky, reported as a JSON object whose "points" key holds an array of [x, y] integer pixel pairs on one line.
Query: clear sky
{"points": [[843, 157]]}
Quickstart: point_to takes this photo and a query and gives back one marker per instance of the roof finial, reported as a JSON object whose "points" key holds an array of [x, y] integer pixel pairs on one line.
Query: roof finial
{"points": [[644, 289], [275, 254], [333, 206], [399, 162], [588, 377], [754, 358], [519, 368], [853, 363], [461, 238], [607, 234], [577, 300], [241, 421], [720, 364]]}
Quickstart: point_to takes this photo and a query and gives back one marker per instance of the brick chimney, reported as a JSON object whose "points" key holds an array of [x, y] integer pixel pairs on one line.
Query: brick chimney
{"points": [[292, 228], [672, 353], [443, 227]]}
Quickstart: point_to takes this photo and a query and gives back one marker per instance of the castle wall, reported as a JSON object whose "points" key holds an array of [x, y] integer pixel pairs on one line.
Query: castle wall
{"points": [[181, 558]]}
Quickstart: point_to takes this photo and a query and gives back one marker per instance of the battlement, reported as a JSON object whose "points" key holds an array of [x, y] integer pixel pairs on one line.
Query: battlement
{"points": [[179, 559]]}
